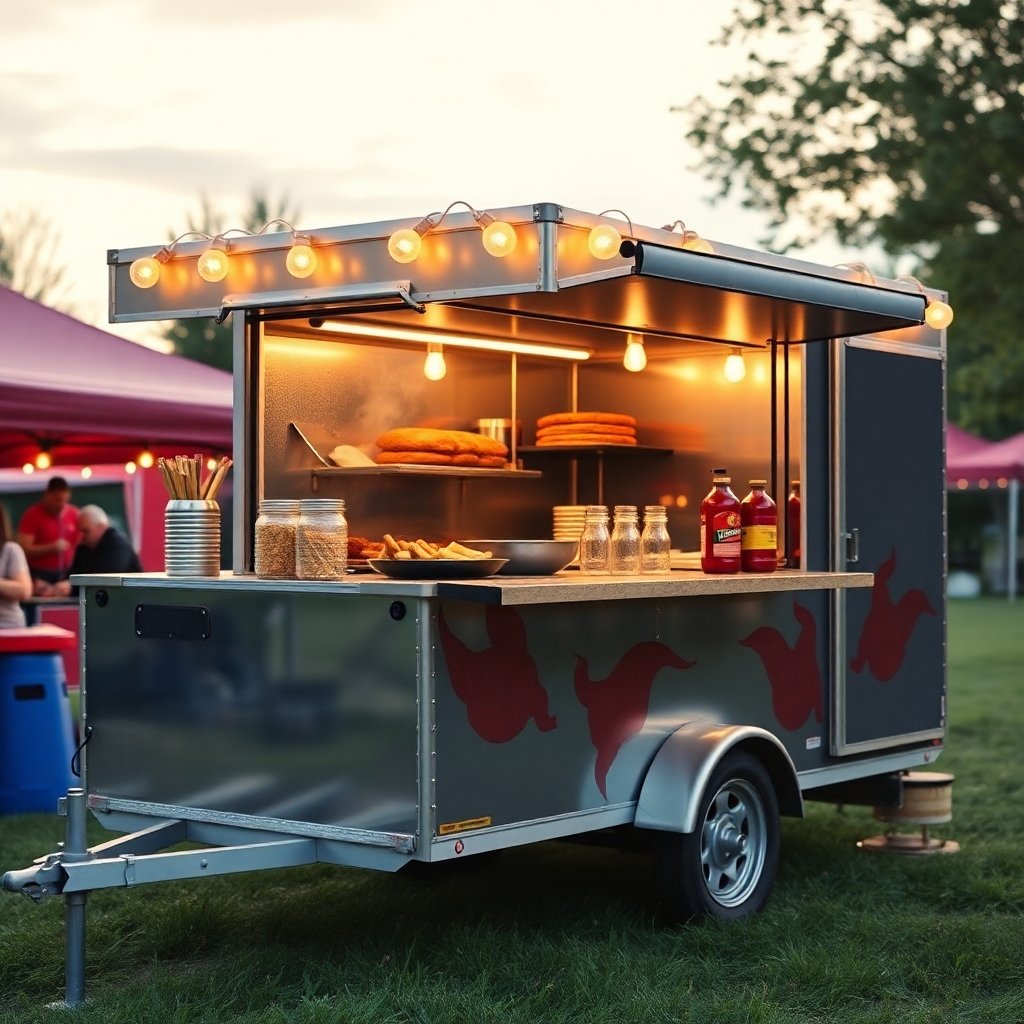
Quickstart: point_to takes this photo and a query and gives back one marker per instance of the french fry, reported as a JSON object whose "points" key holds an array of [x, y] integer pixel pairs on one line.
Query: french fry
{"points": [[402, 554], [461, 549], [417, 550], [391, 547]]}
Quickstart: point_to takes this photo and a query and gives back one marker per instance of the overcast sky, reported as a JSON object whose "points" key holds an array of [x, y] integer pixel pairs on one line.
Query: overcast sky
{"points": [[117, 115]]}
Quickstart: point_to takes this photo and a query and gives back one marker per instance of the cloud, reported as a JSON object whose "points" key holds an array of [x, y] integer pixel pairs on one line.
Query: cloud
{"points": [[263, 12]]}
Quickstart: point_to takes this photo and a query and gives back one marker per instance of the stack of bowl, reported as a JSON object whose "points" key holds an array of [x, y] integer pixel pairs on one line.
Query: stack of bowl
{"points": [[568, 521]]}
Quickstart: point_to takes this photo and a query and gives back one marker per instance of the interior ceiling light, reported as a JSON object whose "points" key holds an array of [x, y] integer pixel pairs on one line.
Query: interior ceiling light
{"points": [[604, 239], [735, 368], [691, 240], [525, 348], [434, 366], [635, 357]]}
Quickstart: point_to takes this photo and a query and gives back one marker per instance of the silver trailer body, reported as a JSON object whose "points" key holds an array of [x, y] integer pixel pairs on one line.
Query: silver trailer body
{"points": [[374, 722]]}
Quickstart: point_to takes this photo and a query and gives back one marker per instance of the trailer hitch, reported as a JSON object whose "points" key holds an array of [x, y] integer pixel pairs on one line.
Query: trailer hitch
{"points": [[46, 878]]}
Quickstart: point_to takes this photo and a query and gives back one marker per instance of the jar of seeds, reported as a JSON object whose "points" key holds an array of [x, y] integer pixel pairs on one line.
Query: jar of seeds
{"points": [[276, 527], [321, 539]]}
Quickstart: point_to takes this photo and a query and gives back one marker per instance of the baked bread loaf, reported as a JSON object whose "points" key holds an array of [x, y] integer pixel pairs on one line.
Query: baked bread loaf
{"points": [[429, 439], [557, 418]]}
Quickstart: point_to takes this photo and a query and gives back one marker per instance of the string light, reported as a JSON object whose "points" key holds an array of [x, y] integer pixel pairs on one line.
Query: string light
{"points": [[635, 357], [735, 368], [498, 236], [43, 460], [86, 472], [145, 459], [28, 468], [214, 262], [146, 270], [691, 240], [604, 239], [937, 314], [130, 467]]}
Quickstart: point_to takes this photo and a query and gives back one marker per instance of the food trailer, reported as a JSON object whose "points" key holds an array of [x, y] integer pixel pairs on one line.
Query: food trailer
{"points": [[376, 722]]}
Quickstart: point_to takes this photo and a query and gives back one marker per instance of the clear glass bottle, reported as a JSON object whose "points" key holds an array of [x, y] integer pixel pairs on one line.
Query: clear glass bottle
{"points": [[594, 540], [276, 527], [624, 549], [655, 543], [321, 539]]}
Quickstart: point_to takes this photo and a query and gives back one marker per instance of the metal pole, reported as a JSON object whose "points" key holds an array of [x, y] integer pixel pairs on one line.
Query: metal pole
{"points": [[1013, 496], [74, 904]]}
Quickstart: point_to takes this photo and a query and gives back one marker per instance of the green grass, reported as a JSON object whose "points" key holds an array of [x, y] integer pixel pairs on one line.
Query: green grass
{"points": [[562, 933]]}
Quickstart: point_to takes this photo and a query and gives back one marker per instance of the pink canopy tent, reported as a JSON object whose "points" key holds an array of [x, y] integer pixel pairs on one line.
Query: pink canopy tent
{"points": [[999, 464], [89, 396]]}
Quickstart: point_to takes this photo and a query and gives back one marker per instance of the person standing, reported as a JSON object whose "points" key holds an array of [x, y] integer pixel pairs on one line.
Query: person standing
{"points": [[15, 581], [103, 548], [48, 533]]}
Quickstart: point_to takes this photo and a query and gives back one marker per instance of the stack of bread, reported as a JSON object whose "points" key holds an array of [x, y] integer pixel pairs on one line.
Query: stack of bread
{"points": [[573, 429], [427, 446]]}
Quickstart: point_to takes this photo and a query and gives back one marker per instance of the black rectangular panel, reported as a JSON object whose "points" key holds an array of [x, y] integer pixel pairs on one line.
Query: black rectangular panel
{"points": [[168, 622]]}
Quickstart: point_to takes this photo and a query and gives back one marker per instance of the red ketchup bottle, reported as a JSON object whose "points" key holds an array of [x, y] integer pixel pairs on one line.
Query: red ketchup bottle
{"points": [[720, 526], [759, 519], [793, 523]]}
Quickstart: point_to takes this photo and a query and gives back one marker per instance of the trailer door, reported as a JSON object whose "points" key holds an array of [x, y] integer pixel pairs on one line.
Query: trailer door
{"points": [[889, 518]]}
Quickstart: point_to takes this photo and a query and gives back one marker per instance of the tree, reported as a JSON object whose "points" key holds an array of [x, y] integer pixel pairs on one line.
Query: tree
{"points": [[898, 123], [202, 339], [28, 258]]}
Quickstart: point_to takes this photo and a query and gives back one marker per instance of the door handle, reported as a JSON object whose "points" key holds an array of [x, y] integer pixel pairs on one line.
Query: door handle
{"points": [[852, 546]]}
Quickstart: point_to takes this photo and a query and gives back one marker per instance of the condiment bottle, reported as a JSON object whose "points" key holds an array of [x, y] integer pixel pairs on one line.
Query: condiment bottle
{"points": [[759, 525], [655, 543], [793, 523], [720, 526], [321, 539], [624, 550], [594, 540], [276, 526]]}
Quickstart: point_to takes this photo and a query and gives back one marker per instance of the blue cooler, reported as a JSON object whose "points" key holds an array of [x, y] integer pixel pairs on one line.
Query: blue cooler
{"points": [[36, 734]]}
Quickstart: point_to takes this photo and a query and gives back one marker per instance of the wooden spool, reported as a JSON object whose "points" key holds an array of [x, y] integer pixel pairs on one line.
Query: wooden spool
{"points": [[927, 800]]}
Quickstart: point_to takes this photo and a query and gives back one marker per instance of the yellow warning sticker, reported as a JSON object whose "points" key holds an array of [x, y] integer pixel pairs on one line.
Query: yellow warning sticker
{"points": [[451, 827]]}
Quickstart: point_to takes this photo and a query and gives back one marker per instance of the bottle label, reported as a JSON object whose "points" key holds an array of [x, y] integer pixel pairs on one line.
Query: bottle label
{"points": [[760, 538], [725, 535]]}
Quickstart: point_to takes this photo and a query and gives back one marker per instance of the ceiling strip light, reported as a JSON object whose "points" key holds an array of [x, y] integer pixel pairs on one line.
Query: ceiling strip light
{"points": [[523, 348]]}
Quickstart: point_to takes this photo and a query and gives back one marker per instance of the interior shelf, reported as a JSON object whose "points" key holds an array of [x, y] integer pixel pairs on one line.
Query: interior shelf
{"points": [[410, 469], [576, 451]]}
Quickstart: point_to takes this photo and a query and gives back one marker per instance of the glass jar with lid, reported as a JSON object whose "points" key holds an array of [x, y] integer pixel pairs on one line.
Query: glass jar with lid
{"points": [[655, 543], [624, 548], [321, 539], [276, 526], [594, 540]]}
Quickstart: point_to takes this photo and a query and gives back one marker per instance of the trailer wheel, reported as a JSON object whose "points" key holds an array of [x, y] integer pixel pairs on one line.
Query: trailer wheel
{"points": [[725, 868]]}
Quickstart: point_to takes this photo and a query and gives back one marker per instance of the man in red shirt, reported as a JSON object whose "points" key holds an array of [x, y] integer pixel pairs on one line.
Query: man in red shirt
{"points": [[48, 532]]}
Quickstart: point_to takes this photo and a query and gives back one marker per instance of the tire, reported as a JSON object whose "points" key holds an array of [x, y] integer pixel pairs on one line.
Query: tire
{"points": [[726, 867]]}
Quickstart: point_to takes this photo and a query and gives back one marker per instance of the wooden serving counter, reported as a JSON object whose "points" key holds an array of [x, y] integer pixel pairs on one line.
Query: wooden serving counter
{"points": [[566, 587]]}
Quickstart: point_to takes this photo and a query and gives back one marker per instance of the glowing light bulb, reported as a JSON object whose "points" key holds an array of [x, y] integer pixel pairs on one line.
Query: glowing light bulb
{"points": [[499, 238], [86, 472], [938, 314], [301, 260], [697, 244], [28, 468], [211, 463], [213, 264], [129, 468], [145, 459], [434, 366], [635, 358], [735, 368], [404, 245], [43, 460], [603, 242], [144, 272]]}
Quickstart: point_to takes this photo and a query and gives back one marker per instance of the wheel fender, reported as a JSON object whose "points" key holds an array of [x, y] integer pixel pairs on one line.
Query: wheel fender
{"points": [[678, 775]]}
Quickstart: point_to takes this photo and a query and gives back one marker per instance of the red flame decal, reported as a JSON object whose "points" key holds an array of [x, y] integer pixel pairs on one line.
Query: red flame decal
{"points": [[887, 626], [617, 706], [499, 685], [793, 672]]}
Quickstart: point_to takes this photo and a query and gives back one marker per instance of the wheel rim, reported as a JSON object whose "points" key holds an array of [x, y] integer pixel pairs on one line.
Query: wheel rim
{"points": [[733, 843]]}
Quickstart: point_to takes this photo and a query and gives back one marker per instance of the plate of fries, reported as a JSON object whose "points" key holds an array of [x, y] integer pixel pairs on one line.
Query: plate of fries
{"points": [[424, 560]]}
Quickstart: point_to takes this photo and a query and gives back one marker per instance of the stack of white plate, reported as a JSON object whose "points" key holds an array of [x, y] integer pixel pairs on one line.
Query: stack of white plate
{"points": [[568, 521]]}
